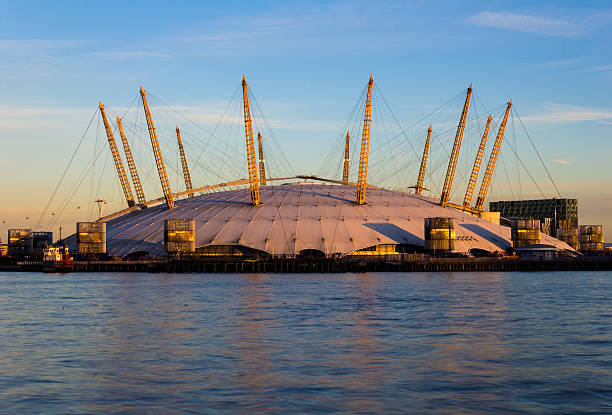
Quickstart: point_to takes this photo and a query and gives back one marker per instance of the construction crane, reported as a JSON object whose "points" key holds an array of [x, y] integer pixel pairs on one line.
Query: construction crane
{"points": [[125, 184], [159, 159], [250, 147], [262, 161], [345, 170], [131, 165], [486, 180], [365, 147], [186, 174], [452, 163], [469, 192], [418, 189]]}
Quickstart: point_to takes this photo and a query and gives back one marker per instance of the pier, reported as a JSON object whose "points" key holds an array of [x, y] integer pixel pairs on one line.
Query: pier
{"points": [[326, 265]]}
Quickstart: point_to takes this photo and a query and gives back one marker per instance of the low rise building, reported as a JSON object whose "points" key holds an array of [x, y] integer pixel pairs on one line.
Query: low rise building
{"points": [[537, 252], [552, 213]]}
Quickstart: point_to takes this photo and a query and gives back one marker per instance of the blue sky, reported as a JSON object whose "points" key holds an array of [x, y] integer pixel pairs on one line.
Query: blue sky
{"points": [[307, 62]]}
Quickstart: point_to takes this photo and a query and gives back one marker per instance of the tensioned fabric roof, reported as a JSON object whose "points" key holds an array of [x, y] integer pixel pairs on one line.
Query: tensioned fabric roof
{"points": [[299, 216]]}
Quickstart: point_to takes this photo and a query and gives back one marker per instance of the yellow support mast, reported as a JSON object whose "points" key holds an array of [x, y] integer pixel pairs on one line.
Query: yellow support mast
{"points": [[262, 161], [186, 175], [365, 147], [345, 169], [159, 159], [486, 180], [452, 163], [131, 165], [125, 184], [469, 192], [250, 147], [418, 189]]}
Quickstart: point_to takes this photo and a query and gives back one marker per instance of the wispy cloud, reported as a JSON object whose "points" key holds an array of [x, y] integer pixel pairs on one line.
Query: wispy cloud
{"points": [[563, 62], [17, 116], [559, 113], [526, 23], [12, 111], [14, 118], [325, 27], [68, 46], [29, 45], [600, 18], [130, 54], [602, 68], [210, 115], [565, 162]]}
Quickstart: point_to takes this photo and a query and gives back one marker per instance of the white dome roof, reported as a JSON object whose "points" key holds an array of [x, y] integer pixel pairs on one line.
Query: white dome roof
{"points": [[299, 216]]}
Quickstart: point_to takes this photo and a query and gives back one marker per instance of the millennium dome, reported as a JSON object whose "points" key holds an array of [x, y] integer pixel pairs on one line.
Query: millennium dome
{"points": [[305, 217], [315, 217]]}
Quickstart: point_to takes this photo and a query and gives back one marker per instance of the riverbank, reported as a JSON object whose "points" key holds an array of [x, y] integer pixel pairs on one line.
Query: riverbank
{"points": [[286, 265]]}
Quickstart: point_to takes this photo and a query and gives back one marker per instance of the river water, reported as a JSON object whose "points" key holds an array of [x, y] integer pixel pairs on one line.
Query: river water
{"points": [[372, 343]]}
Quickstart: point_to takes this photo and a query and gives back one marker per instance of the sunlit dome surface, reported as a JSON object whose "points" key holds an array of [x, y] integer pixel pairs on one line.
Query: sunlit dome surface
{"points": [[304, 216]]}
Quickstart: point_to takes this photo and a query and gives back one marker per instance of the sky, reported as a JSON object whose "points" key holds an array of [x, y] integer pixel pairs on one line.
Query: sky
{"points": [[307, 62]]}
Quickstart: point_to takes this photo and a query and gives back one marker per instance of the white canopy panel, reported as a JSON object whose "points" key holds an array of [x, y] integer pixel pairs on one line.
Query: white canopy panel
{"points": [[298, 216]]}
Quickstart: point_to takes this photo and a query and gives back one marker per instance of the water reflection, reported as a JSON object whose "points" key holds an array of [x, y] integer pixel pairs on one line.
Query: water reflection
{"points": [[352, 343], [251, 343], [365, 355], [145, 339], [469, 344]]}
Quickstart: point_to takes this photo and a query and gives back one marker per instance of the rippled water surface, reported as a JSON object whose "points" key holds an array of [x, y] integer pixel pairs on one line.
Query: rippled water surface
{"points": [[477, 343]]}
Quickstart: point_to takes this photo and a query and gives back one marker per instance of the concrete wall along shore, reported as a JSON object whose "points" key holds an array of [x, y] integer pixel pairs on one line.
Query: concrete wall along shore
{"points": [[263, 265]]}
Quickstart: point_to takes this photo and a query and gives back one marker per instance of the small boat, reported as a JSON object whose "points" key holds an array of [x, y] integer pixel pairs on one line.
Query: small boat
{"points": [[57, 259]]}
